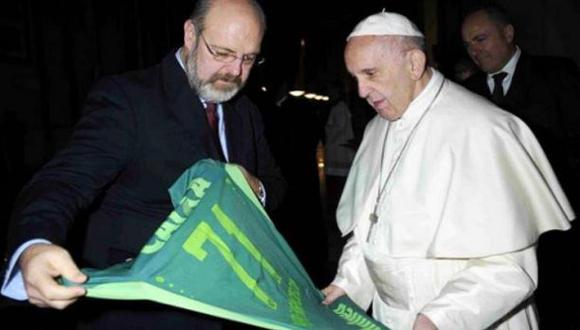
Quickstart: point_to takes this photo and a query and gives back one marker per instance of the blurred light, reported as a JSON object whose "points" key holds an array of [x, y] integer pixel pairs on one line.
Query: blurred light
{"points": [[320, 158], [309, 95], [264, 89], [318, 97], [296, 93], [325, 98]]}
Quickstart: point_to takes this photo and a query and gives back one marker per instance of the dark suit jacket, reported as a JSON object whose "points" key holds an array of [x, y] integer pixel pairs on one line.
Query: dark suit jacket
{"points": [[140, 132], [545, 93]]}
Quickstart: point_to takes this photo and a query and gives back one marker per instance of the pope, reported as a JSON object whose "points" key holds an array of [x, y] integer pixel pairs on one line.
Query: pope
{"points": [[446, 198]]}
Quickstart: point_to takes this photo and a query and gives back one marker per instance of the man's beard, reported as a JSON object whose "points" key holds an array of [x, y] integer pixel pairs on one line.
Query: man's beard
{"points": [[205, 88]]}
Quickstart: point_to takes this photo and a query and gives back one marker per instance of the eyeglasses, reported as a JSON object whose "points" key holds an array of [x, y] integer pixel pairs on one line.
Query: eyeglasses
{"points": [[229, 57]]}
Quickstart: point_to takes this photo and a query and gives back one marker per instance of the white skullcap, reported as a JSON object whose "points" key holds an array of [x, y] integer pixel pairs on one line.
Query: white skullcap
{"points": [[386, 24]]}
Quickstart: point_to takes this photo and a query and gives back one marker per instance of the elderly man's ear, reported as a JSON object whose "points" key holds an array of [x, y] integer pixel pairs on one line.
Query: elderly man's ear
{"points": [[189, 34], [416, 61]]}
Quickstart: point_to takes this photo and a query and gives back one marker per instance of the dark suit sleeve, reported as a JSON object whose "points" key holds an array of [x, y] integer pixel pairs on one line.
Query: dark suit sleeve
{"points": [[267, 170], [477, 83], [100, 147], [569, 102], [564, 79]]}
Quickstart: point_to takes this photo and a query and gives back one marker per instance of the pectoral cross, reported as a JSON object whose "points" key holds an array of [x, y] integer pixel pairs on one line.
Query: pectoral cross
{"points": [[374, 218]]}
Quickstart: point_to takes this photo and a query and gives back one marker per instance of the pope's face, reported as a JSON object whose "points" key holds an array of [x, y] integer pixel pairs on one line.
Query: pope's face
{"points": [[382, 74], [489, 45]]}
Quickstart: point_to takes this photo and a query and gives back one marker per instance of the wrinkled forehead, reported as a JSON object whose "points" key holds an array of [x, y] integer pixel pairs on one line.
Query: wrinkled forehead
{"points": [[363, 44], [371, 47], [363, 53]]}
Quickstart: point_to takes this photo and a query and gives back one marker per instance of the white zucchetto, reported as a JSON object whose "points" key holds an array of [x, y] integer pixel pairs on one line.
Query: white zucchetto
{"points": [[386, 24]]}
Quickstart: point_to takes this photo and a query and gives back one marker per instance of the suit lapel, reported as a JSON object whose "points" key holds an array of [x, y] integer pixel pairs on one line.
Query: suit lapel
{"points": [[186, 106], [478, 84], [516, 95], [483, 87]]}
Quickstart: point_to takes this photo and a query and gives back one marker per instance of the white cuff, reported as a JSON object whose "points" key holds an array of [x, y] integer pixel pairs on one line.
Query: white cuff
{"points": [[13, 284], [262, 193]]}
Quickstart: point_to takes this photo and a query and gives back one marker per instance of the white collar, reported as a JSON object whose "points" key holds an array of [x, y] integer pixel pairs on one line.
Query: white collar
{"points": [[419, 105], [510, 66], [179, 60]]}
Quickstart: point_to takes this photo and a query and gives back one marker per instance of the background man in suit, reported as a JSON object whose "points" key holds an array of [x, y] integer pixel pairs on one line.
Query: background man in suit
{"points": [[140, 132], [545, 93]]}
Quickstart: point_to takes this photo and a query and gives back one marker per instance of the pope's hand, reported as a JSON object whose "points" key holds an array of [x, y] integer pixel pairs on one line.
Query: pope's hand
{"points": [[332, 292], [41, 264]]}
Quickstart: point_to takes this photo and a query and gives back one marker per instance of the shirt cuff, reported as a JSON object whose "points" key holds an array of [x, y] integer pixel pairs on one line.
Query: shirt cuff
{"points": [[13, 284], [262, 193]]}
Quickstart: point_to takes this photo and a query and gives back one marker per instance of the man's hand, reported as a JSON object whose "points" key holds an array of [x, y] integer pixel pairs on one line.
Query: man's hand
{"points": [[422, 322], [41, 264], [252, 180], [332, 292]]}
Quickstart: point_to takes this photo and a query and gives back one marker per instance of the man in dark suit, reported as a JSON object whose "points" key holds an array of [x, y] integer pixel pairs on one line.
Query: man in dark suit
{"points": [[141, 130], [545, 93]]}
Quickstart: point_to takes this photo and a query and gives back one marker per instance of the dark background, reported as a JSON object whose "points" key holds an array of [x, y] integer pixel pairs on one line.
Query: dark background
{"points": [[51, 52]]}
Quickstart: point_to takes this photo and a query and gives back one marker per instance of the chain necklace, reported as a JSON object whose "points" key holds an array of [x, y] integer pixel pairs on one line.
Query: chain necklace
{"points": [[374, 217]]}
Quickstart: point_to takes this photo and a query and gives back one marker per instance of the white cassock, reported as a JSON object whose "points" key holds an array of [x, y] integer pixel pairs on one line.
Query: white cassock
{"points": [[458, 219]]}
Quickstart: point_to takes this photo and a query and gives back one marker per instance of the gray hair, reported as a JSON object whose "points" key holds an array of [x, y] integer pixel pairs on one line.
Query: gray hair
{"points": [[403, 44], [415, 43]]}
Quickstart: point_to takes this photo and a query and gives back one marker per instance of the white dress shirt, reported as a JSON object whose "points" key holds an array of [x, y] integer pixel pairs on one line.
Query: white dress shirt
{"points": [[510, 69]]}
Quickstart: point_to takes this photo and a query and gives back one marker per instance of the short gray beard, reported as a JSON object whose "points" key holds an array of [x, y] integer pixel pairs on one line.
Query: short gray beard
{"points": [[204, 88]]}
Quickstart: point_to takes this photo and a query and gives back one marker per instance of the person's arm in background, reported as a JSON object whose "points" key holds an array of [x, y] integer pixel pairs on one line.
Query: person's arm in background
{"points": [[566, 83]]}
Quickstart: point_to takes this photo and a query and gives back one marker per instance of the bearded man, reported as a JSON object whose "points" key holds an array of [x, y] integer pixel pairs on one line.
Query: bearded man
{"points": [[140, 131]]}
